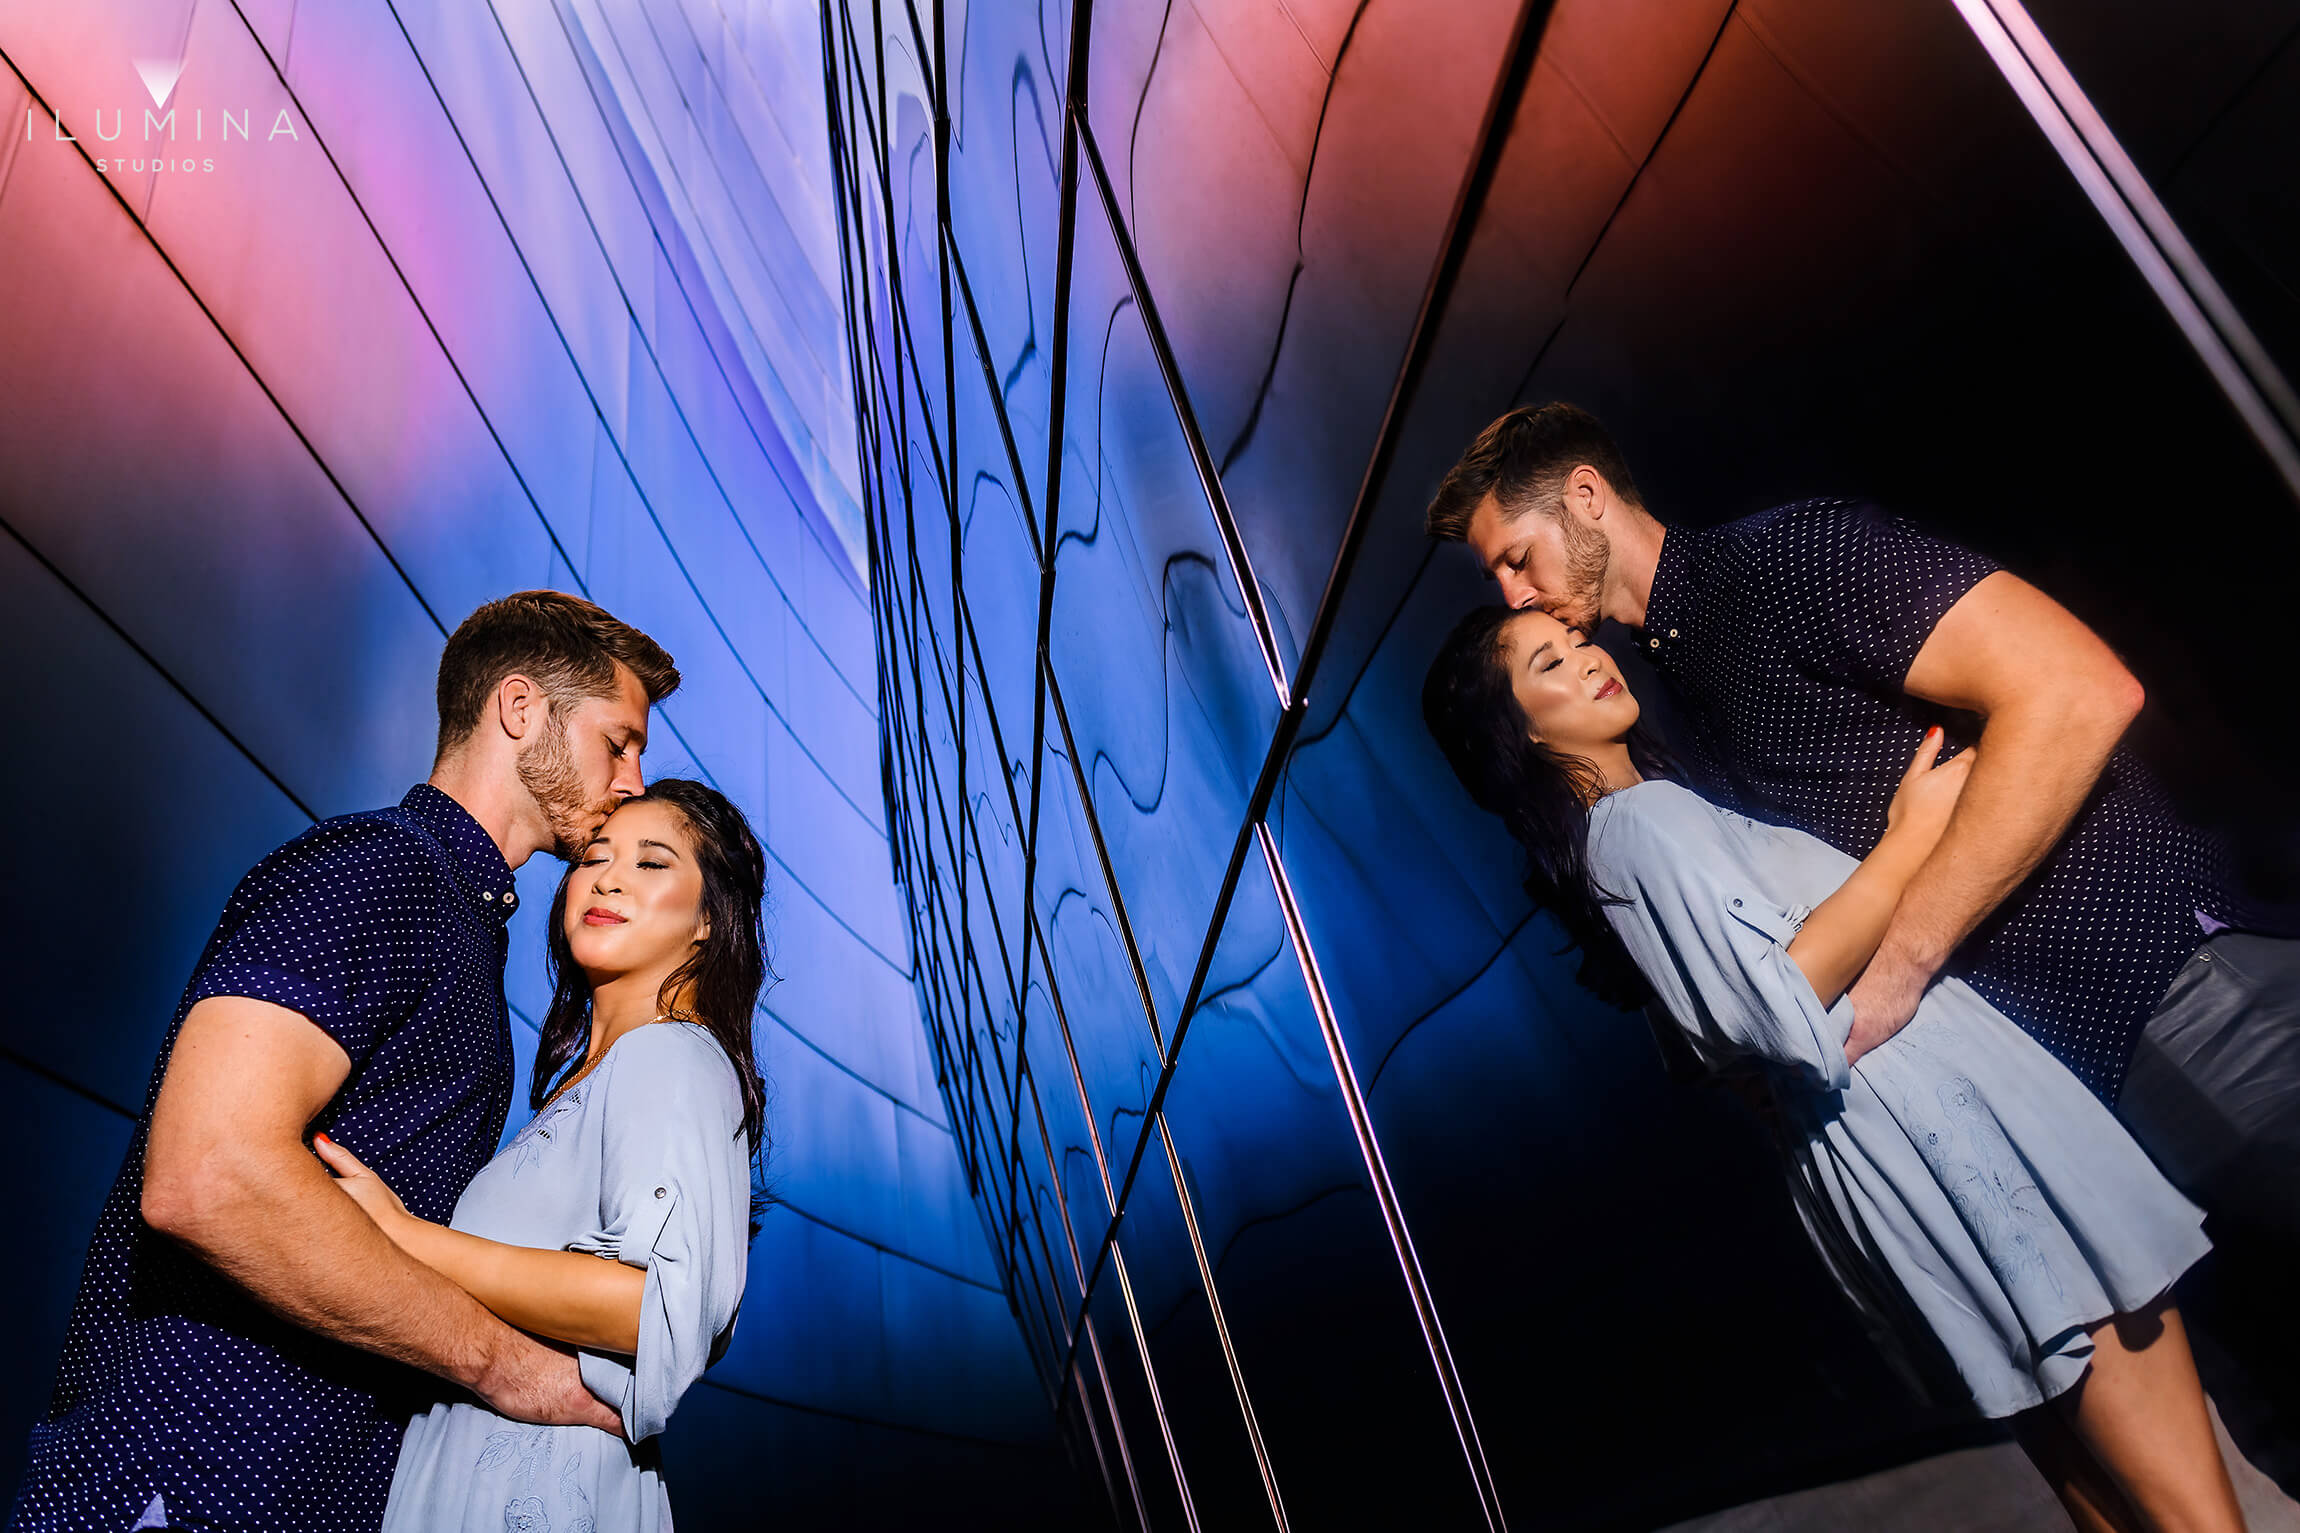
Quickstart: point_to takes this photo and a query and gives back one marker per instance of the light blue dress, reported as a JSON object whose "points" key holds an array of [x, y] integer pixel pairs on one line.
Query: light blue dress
{"points": [[2013, 1208], [642, 1162]]}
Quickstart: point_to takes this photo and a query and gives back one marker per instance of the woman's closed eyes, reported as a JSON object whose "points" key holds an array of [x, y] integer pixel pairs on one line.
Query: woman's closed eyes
{"points": [[1558, 660]]}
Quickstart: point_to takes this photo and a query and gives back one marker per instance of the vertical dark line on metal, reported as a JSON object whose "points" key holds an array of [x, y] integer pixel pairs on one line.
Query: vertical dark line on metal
{"points": [[1075, 89], [1209, 479], [990, 387], [1222, 1326], [1102, 858], [1461, 225], [1150, 1378], [1385, 1192], [1117, 1427], [1501, 110]]}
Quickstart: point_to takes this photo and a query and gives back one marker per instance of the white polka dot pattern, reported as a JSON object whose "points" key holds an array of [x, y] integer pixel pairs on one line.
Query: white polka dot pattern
{"points": [[387, 930], [1787, 636]]}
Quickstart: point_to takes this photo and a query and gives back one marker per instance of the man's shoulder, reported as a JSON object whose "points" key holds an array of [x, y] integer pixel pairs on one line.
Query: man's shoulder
{"points": [[1802, 522], [1833, 549], [382, 844], [1835, 525]]}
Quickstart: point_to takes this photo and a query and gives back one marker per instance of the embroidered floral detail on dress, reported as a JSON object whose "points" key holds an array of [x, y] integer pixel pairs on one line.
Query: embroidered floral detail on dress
{"points": [[531, 1446], [1996, 1196], [501, 1447], [527, 1145], [574, 1499]]}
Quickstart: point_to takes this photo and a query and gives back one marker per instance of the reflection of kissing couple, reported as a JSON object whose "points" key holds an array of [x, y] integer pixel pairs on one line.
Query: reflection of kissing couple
{"points": [[313, 1233], [1950, 949]]}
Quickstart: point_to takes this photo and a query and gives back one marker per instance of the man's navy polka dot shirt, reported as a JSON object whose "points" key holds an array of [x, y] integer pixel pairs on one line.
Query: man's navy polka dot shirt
{"points": [[386, 929], [1786, 636]]}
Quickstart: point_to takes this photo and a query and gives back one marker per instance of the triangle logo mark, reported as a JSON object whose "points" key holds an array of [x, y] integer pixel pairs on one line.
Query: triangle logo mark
{"points": [[159, 77]]}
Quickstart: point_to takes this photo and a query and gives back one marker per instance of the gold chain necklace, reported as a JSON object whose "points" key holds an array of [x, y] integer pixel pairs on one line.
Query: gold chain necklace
{"points": [[589, 1065]]}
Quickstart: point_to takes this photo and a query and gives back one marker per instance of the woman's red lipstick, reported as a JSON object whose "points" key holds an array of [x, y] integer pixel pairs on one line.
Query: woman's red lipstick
{"points": [[1608, 690], [600, 916]]}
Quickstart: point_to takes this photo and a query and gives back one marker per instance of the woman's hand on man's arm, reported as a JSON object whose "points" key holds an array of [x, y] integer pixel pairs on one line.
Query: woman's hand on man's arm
{"points": [[1841, 935], [2053, 700], [566, 1295], [226, 1174]]}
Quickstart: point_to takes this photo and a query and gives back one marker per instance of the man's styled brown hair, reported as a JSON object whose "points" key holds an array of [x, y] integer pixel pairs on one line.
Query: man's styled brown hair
{"points": [[567, 646], [1523, 461]]}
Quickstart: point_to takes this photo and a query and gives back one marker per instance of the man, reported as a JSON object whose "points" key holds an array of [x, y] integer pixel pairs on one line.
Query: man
{"points": [[1810, 646], [244, 1347]]}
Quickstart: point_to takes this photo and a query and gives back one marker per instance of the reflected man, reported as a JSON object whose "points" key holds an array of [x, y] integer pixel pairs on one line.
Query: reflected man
{"points": [[1809, 647]]}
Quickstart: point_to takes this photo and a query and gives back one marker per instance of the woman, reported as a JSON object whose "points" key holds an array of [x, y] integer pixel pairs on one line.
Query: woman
{"points": [[2027, 1229], [650, 1115]]}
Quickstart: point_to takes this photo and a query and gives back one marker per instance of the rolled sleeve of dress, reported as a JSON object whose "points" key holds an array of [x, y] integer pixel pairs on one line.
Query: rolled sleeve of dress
{"points": [[1712, 945], [674, 1200]]}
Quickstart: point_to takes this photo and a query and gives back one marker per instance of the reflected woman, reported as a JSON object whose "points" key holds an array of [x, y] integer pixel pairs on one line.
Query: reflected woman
{"points": [[2031, 1234], [617, 1220]]}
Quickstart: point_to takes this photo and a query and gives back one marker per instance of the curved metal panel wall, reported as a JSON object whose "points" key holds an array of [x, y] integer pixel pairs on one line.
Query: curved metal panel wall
{"points": [[423, 303], [1326, 1196]]}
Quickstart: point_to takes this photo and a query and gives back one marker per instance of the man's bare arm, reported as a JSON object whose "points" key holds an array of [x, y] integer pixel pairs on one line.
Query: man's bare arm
{"points": [[226, 1173], [573, 1296], [2054, 700]]}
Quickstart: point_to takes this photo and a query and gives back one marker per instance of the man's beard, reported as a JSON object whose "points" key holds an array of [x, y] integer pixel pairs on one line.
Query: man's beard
{"points": [[548, 772], [1583, 604]]}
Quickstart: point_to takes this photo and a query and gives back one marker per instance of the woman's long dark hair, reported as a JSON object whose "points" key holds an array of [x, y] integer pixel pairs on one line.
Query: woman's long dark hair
{"points": [[1541, 795], [723, 974]]}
